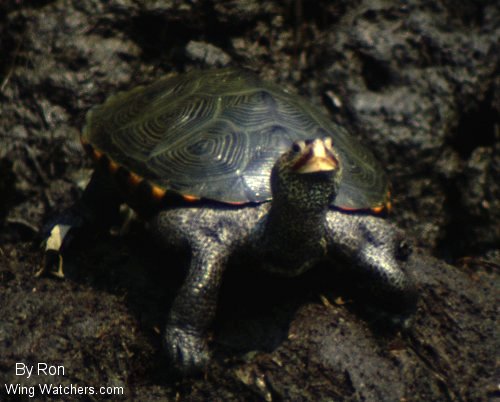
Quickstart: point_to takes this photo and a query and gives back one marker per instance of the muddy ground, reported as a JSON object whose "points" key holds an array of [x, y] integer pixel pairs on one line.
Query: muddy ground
{"points": [[418, 81]]}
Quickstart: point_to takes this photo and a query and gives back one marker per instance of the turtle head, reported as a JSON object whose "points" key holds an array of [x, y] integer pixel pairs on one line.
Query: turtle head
{"points": [[307, 175]]}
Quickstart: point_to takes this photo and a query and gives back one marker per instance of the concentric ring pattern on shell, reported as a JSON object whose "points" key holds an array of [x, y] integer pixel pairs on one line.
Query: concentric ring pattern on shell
{"points": [[216, 134]]}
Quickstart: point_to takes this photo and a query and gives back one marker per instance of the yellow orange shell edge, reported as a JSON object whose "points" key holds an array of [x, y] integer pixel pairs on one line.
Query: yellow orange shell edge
{"points": [[134, 179]]}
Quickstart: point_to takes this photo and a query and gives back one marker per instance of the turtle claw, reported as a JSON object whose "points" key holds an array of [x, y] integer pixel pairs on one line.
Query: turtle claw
{"points": [[52, 264], [187, 350], [53, 261]]}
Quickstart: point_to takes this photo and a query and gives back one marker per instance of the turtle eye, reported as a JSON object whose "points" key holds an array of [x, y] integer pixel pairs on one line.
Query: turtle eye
{"points": [[404, 250], [297, 147]]}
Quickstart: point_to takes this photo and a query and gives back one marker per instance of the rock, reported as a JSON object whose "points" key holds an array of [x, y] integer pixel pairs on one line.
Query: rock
{"points": [[207, 53], [416, 80]]}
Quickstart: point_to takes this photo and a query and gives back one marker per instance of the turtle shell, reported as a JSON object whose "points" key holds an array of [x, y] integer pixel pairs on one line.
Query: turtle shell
{"points": [[216, 135]]}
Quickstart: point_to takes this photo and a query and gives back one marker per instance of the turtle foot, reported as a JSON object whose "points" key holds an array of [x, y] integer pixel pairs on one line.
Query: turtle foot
{"points": [[53, 261], [187, 350]]}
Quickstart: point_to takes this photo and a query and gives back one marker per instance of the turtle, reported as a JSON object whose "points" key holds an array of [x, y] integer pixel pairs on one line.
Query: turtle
{"points": [[226, 165]]}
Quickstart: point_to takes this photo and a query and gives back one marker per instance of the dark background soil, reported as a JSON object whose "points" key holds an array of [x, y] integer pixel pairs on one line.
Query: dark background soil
{"points": [[418, 81]]}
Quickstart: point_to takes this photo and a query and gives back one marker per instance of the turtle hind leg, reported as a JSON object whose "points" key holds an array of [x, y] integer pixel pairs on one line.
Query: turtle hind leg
{"points": [[98, 207]]}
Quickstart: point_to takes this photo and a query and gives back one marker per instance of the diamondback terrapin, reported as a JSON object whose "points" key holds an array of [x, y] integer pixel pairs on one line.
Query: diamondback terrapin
{"points": [[227, 165]]}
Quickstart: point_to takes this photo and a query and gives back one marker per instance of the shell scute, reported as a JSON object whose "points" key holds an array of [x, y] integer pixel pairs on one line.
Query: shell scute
{"points": [[216, 135]]}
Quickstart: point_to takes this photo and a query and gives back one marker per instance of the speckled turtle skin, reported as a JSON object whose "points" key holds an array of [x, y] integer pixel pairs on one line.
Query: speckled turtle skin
{"points": [[371, 243], [259, 203]]}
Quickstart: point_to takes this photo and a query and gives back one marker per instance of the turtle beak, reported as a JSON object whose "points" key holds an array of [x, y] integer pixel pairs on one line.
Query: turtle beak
{"points": [[317, 157]]}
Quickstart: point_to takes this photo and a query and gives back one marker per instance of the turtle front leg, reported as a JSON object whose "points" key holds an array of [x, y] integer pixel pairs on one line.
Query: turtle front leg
{"points": [[194, 307], [379, 251]]}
